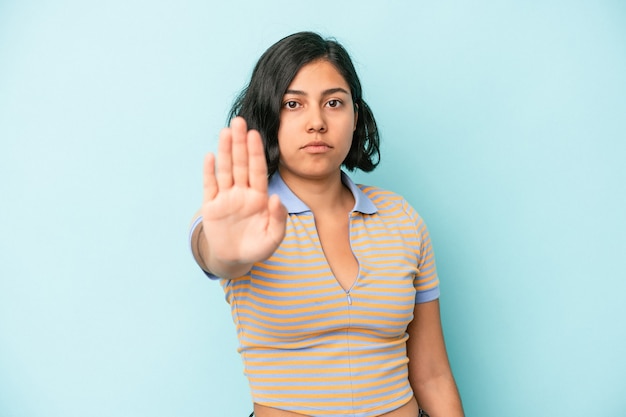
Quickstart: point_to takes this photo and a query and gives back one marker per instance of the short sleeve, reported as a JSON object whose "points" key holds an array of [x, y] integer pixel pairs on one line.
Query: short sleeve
{"points": [[196, 223], [426, 280]]}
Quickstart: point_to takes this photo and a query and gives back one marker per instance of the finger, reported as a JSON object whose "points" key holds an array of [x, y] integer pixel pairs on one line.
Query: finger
{"points": [[224, 171], [210, 183], [239, 131], [277, 219], [256, 162]]}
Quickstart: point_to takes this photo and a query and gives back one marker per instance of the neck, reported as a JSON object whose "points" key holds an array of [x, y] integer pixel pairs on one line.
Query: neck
{"points": [[320, 194]]}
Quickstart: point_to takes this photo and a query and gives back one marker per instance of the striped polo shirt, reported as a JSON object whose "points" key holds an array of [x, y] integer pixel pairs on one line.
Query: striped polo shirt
{"points": [[311, 347]]}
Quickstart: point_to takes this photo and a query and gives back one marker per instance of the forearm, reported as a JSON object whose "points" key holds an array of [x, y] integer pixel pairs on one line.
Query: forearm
{"points": [[209, 263], [438, 396], [429, 369]]}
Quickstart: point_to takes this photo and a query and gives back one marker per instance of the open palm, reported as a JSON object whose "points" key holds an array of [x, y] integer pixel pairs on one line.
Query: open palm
{"points": [[241, 223]]}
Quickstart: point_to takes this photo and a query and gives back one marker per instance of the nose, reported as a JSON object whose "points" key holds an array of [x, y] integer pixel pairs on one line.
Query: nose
{"points": [[316, 121]]}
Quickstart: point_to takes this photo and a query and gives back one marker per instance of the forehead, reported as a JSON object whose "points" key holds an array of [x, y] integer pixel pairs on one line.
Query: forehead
{"points": [[318, 75]]}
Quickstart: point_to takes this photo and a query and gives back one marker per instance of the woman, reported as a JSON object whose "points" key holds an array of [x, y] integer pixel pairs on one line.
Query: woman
{"points": [[332, 285]]}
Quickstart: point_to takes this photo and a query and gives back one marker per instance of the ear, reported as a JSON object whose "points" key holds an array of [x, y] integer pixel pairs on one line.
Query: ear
{"points": [[356, 116]]}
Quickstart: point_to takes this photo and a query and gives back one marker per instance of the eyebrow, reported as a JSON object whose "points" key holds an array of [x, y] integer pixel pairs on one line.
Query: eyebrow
{"points": [[324, 93]]}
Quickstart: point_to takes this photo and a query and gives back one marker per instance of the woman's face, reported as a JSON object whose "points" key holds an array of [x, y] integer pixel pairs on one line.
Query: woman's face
{"points": [[317, 121]]}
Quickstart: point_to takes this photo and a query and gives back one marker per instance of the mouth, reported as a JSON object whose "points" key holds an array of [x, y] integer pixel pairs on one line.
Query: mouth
{"points": [[316, 146], [317, 143]]}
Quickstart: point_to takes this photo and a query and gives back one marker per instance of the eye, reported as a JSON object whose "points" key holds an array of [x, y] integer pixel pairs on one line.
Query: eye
{"points": [[334, 103], [290, 104]]}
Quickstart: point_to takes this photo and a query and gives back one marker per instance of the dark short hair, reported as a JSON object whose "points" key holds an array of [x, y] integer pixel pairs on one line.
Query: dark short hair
{"points": [[261, 101]]}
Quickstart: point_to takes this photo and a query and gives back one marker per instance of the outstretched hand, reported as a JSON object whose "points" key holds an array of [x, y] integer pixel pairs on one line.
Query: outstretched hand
{"points": [[241, 223]]}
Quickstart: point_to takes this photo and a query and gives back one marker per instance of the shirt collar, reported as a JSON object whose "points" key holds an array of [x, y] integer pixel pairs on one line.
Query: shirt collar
{"points": [[294, 205]]}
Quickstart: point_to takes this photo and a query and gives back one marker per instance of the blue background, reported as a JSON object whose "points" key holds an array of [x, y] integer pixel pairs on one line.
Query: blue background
{"points": [[503, 123]]}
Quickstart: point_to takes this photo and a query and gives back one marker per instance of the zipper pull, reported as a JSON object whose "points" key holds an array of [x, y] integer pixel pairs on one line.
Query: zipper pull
{"points": [[349, 299]]}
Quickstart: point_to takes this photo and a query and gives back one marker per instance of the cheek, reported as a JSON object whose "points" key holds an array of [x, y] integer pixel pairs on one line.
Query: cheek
{"points": [[282, 143], [349, 127], [285, 126]]}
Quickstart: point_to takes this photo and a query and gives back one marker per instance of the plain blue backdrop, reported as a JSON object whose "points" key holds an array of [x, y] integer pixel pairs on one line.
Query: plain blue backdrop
{"points": [[503, 123]]}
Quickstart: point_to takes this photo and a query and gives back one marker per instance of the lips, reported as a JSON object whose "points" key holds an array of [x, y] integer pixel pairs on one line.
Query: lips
{"points": [[317, 144], [316, 147]]}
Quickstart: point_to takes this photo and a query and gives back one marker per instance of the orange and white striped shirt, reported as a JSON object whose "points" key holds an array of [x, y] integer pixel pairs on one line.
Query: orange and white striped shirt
{"points": [[311, 347]]}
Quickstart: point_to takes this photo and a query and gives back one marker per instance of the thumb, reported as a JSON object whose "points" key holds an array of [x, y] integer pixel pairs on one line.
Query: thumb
{"points": [[277, 218]]}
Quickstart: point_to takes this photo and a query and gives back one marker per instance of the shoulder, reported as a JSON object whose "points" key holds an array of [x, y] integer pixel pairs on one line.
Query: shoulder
{"points": [[386, 200], [394, 209], [376, 193]]}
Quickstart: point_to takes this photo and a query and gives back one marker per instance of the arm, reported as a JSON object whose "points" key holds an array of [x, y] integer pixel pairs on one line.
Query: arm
{"points": [[429, 370], [198, 241], [241, 224]]}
